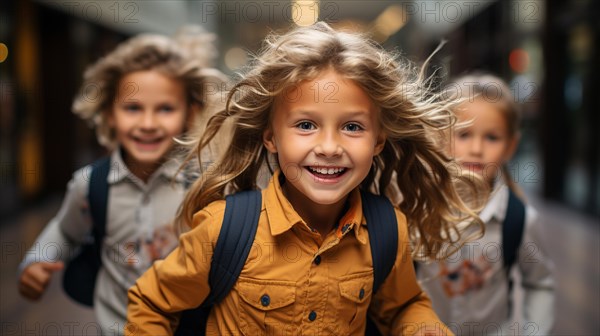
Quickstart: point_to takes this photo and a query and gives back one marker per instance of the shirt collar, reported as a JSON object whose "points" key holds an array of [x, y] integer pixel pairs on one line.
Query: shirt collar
{"points": [[119, 170], [280, 212], [170, 170], [282, 216], [354, 218], [497, 203]]}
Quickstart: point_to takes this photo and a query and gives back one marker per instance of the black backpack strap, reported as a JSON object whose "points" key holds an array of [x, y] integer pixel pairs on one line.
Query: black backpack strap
{"points": [[236, 237], [79, 279], [235, 240], [383, 235], [98, 200], [512, 229], [383, 238]]}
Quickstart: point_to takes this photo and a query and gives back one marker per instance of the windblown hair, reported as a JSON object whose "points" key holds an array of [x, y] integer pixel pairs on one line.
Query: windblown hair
{"points": [[410, 116], [186, 57], [494, 90]]}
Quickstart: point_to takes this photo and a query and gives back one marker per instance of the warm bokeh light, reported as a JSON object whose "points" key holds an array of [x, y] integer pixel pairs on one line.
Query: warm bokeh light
{"points": [[389, 22], [3, 52], [235, 58], [518, 60], [305, 12]]}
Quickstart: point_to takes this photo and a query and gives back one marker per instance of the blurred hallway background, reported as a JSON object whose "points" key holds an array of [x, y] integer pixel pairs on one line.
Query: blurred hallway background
{"points": [[547, 50]]}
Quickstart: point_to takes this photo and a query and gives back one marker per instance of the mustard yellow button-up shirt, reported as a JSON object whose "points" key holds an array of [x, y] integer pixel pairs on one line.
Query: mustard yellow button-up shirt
{"points": [[294, 282]]}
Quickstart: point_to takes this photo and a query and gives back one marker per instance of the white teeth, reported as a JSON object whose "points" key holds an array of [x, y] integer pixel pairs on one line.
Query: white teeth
{"points": [[327, 171]]}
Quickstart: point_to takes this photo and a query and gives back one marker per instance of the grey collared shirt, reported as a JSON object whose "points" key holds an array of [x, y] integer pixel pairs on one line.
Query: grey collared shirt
{"points": [[138, 231], [470, 290]]}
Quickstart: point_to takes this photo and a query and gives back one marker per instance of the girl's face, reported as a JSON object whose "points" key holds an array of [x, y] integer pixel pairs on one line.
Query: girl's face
{"points": [[148, 111], [325, 133], [485, 144]]}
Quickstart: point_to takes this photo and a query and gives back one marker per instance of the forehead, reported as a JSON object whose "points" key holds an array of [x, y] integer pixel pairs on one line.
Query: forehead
{"points": [[329, 91], [481, 110], [150, 82]]}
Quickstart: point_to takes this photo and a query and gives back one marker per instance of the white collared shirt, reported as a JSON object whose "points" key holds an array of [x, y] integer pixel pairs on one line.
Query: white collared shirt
{"points": [[138, 231], [470, 290]]}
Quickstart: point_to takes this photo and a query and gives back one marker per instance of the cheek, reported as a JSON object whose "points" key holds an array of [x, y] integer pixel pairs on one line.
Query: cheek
{"points": [[179, 127], [491, 172], [457, 148], [498, 154], [123, 121], [121, 125], [362, 153], [176, 124]]}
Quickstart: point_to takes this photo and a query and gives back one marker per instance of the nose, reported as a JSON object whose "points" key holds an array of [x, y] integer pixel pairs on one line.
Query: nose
{"points": [[476, 146], [148, 122], [329, 144]]}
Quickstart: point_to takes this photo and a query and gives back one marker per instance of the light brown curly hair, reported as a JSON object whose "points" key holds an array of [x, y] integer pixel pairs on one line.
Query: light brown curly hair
{"points": [[186, 57]]}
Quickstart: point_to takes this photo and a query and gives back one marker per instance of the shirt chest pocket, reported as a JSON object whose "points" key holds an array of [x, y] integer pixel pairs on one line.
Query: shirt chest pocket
{"points": [[265, 306], [355, 293]]}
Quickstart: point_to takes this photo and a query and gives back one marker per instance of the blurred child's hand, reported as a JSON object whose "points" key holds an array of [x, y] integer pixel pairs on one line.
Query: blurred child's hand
{"points": [[35, 278]]}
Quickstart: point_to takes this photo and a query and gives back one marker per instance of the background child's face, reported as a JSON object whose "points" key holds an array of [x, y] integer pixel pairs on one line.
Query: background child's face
{"points": [[148, 111], [485, 144], [325, 133]]}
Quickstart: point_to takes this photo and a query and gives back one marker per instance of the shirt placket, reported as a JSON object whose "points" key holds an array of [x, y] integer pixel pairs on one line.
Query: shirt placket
{"points": [[144, 222], [315, 314], [142, 215]]}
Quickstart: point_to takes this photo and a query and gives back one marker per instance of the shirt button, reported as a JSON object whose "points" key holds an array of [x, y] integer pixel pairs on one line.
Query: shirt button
{"points": [[265, 300], [345, 228], [317, 260], [312, 316], [361, 294]]}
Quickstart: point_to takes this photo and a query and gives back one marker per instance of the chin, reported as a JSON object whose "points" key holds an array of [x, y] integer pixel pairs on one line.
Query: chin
{"points": [[147, 159], [327, 200]]}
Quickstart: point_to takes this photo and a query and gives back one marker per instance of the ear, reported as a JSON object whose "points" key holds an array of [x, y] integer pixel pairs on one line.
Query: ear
{"points": [[269, 140], [380, 144], [512, 146]]}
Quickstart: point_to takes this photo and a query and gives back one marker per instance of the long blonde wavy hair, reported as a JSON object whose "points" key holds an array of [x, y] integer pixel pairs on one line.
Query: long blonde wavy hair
{"points": [[412, 117]]}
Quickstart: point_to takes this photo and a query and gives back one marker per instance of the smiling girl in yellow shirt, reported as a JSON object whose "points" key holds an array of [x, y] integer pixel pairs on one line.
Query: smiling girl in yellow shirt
{"points": [[335, 114]]}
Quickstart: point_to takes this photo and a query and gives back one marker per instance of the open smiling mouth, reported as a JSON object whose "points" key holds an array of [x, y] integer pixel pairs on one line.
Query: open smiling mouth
{"points": [[151, 141], [327, 172], [473, 165], [148, 144]]}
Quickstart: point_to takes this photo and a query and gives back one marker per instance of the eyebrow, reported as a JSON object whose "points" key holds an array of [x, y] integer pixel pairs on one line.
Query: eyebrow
{"points": [[356, 113]]}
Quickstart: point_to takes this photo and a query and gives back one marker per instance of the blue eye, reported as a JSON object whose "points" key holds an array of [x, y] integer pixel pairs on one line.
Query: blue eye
{"points": [[166, 109], [352, 127], [305, 125], [463, 135], [132, 107], [492, 137]]}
